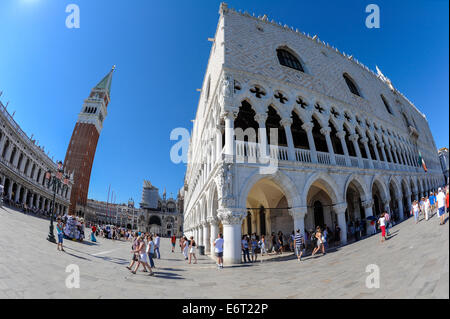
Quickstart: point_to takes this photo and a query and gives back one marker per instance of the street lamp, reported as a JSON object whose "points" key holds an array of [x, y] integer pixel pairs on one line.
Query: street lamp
{"points": [[56, 181]]}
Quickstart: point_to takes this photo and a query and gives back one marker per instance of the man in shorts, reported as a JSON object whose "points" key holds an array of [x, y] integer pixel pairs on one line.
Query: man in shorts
{"points": [[441, 205], [299, 244], [218, 249]]}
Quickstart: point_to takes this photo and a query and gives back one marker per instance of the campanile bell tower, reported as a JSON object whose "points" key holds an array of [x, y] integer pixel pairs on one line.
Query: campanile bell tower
{"points": [[83, 143]]}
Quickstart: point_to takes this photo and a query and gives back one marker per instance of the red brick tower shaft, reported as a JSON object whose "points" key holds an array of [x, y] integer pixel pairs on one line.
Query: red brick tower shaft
{"points": [[83, 143]]}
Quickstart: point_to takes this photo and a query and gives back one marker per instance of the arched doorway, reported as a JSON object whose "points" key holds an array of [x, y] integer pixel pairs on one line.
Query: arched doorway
{"points": [[154, 224], [356, 216], [267, 208]]}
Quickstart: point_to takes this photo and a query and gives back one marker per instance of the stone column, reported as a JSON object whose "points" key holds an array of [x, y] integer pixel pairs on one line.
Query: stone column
{"points": [[17, 194], [287, 130], [22, 165], [16, 158], [298, 215], [384, 154], [25, 195], [326, 132], [354, 139], [2, 143], [312, 146], [219, 145], [368, 204], [408, 198], [365, 141], [10, 189], [400, 209], [262, 134], [214, 231], [394, 151], [232, 220], [340, 212], [375, 149], [206, 239], [200, 235], [391, 158], [341, 136], [229, 132], [386, 206]]}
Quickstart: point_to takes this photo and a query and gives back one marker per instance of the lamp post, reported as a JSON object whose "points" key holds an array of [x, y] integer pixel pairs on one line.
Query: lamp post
{"points": [[56, 181]]}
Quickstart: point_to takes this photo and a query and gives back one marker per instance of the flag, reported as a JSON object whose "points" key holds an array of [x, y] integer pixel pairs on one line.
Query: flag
{"points": [[422, 162]]}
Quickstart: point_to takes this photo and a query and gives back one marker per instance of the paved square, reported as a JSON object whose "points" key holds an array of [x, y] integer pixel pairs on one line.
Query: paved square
{"points": [[414, 263]]}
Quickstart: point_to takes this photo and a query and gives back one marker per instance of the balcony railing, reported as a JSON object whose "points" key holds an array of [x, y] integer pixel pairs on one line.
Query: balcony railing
{"points": [[251, 152]]}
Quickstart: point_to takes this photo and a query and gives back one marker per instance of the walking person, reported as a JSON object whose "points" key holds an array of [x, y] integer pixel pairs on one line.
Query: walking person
{"points": [[173, 240], [157, 242], [441, 201], [218, 249], [150, 250], [319, 239], [299, 244], [262, 245], [134, 257], [427, 208], [185, 247], [254, 245], [415, 210], [280, 242], [192, 250], [59, 230], [274, 242], [387, 219], [245, 249], [141, 250], [382, 223], [432, 199]]}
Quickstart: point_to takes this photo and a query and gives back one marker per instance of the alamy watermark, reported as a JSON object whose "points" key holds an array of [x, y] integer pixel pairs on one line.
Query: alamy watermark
{"points": [[73, 19], [373, 279], [73, 279], [244, 147], [373, 19]]}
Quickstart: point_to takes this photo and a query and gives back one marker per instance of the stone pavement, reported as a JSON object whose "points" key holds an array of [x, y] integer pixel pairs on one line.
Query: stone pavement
{"points": [[414, 263]]}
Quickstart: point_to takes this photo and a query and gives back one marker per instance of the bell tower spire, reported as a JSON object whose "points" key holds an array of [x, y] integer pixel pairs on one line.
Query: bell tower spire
{"points": [[83, 143]]}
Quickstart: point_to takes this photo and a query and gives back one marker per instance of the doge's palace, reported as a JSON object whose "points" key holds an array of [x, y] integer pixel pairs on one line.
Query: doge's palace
{"points": [[290, 133]]}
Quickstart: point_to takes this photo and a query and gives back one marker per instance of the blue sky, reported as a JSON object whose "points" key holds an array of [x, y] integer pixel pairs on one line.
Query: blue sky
{"points": [[161, 51]]}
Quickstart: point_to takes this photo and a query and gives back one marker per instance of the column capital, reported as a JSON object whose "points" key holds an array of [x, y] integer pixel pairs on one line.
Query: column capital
{"points": [[261, 117], [354, 137], [340, 208], [341, 134], [286, 122], [298, 212], [381, 144], [230, 114], [307, 126], [231, 216], [325, 130], [212, 220], [364, 140], [367, 203]]}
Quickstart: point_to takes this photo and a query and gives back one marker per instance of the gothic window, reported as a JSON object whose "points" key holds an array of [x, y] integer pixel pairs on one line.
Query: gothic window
{"points": [[386, 104], [319, 139], [246, 119], [335, 141], [237, 86], [350, 147], [351, 85], [20, 161], [13, 154], [5, 148], [405, 119], [288, 59], [273, 122], [299, 135]]}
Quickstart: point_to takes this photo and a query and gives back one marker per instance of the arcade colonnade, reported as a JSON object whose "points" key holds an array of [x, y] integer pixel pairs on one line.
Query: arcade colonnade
{"points": [[281, 202]]}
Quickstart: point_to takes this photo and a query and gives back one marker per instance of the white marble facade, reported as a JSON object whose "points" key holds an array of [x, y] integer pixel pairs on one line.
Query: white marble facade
{"points": [[344, 151]]}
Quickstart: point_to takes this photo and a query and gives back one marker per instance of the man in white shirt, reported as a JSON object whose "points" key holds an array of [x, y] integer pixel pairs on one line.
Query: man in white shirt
{"points": [[441, 205], [157, 241], [218, 249]]}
